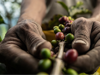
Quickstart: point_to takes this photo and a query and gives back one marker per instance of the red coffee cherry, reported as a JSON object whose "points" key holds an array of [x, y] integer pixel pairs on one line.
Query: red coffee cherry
{"points": [[66, 30], [63, 19], [67, 24], [59, 36], [70, 56]]}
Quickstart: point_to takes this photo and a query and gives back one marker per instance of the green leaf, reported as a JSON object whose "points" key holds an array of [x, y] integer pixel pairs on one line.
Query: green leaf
{"points": [[0, 39], [77, 11], [3, 31], [79, 4], [64, 6], [1, 20]]}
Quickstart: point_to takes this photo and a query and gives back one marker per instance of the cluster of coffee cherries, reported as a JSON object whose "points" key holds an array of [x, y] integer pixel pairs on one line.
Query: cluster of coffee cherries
{"points": [[45, 63], [63, 33]]}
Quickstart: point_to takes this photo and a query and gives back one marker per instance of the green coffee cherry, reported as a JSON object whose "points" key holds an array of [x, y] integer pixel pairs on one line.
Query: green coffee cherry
{"points": [[56, 30], [42, 73], [61, 26], [69, 37], [45, 64], [69, 18], [45, 53], [54, 43], [56, 27], [71, 72]]}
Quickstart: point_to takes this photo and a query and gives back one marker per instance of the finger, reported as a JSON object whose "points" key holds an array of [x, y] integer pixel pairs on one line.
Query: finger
{"points": [[81, 29], [78, 65], [39, 28], [33, 40], [88, 63], [33, 24], [18, 59], [95, 35]]}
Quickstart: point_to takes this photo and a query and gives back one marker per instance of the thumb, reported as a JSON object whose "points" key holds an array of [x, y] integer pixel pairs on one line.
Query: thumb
{"points": [[81, 28]]}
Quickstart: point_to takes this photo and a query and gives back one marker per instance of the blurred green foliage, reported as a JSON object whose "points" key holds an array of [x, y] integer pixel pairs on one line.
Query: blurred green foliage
{"points": [[10, 10], [72, 11], [8, 15], [0, 39], [1, 20], [75, 10]]}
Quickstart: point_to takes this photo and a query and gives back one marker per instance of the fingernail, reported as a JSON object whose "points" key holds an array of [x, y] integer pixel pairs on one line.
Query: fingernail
{"points": [[79, 41], [80, 45]]}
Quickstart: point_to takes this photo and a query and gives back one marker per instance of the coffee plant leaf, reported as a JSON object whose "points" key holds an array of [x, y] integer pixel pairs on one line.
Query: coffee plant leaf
{"points": [[1, 20], [0, 39]]}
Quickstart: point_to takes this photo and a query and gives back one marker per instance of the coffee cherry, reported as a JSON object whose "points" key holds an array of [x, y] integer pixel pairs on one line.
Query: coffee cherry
{"points": [[64, 70], [59, 36], [45, 53], [71, 21], [52, 53], [66, 30], [71, 56], [61, 26], [42, 73], [63, 19], [67, 24], [56, 30], [44, 64], [69, 37], [71, 72], [56, 27], [54, 43]]}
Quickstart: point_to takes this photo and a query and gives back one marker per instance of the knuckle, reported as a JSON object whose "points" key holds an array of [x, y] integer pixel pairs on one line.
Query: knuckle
{"points": [[79, 24], [80, 21], [24, 26]]}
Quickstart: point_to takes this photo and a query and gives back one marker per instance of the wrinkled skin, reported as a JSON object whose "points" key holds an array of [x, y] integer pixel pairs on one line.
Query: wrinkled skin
{"points": [[87, 43], [21, 46], [17, 48]]}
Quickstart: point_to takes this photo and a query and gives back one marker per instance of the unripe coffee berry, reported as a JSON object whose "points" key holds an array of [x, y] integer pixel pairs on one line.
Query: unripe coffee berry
{"points": [[61, 26], [56, 30], [45, 53], [69, 37]]}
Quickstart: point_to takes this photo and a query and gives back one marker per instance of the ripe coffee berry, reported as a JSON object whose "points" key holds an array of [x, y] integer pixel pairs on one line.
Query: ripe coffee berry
{"points": [[66, 30], [71, 21], [59, 36], [63, 19], [70, 56], [67, 24]]}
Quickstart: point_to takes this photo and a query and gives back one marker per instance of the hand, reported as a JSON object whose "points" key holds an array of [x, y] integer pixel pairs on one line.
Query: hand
{"points": [[87, 43], [21, 45]]}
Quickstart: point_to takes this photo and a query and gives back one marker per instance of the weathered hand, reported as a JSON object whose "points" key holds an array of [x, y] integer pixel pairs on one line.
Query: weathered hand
{"points": [[87, 43], [21, 43]]}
